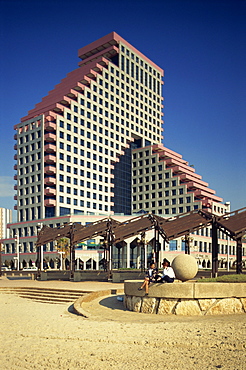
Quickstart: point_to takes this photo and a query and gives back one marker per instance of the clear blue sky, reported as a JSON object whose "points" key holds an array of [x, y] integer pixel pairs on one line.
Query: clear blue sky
{"points": [[201, 45]]}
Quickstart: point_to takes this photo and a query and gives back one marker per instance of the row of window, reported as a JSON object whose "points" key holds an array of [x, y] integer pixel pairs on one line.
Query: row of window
{"points": [[95, 128], [116, 118], [86, 184], [139, 97], [157, 177], [91, 165], [138, 60], [31, 169], [82, 203], [26, 138], [134, 85], [29, 180], [29, 127], [138, 154], [93, 137], [140, 75], [141, 188], [82, 193], [29, 148], [29, 200], [150, 207], [161, 202]]}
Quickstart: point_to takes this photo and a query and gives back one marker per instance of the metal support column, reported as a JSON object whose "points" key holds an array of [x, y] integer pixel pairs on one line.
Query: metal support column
{"points": [[187, 244], [214, 249], [72, 260], [143, 247], [239, 256], [157, 248], [72, 252]]}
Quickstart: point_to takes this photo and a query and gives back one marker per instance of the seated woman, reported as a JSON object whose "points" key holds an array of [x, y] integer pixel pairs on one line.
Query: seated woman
{"points": [[168, 273], [151, 277]]}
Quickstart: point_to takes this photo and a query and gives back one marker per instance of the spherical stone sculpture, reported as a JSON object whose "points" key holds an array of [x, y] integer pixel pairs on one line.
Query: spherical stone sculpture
{"points": [[185, 267]]}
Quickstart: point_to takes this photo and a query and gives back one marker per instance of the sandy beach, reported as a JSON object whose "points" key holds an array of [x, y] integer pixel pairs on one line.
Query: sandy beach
{"points": [[38, 335]]}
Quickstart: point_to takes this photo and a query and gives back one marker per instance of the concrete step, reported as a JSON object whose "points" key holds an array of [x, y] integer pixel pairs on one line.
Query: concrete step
{"points": [[46, 292], [43, 299], [53, 290], [46, 295]]}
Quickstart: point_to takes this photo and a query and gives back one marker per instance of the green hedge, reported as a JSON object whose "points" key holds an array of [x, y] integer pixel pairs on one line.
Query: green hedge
{"points": [[237, 278]]}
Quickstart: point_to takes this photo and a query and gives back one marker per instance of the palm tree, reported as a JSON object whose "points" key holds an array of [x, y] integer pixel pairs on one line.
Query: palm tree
{"points": [[63, 247]]}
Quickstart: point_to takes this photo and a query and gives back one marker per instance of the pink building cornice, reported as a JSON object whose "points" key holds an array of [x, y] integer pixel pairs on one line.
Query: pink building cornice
{"points": [[186, 173], [69, 86], [106, 41]]}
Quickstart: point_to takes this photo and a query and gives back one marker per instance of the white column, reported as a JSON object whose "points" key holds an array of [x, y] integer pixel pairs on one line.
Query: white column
{"points": [[42, 258], [77, 267], [138, 256], [145, 256], [128, 254], [97, 262]]}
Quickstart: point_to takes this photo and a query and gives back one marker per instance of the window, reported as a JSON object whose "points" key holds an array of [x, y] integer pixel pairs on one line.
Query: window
{"points": [[173, 245]]}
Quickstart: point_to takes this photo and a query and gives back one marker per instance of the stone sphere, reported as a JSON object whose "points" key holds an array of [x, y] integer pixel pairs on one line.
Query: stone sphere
{"points": [[185, 267]]}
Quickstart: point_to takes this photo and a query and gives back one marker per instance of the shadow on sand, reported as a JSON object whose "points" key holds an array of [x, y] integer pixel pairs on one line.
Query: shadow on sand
{"points": [[114, 302]]}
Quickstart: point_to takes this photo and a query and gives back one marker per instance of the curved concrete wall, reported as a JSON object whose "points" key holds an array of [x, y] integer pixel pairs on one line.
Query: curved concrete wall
{"points": [[190, 298]]}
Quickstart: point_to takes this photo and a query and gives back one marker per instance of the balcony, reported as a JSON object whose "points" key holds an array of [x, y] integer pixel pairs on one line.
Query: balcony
{"points": [[50, 148], [193, 185], [15, 177], [49, 159], [15, 157], [50, 181], [49, 170], [15, 147], [15, 187], [15, 136], [50, 126], [205, 194], [49, 192], [49, 202], [15, 207], [185, 177], [15, 167], [15, 197], [50, 137]]}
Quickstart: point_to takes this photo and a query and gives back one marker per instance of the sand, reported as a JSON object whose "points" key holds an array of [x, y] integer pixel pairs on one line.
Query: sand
{"points": [[38, 335]]}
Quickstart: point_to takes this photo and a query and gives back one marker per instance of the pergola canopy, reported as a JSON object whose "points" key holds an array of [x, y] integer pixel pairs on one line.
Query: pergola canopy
{"points": [[113, 231], [186, 223], [233, 224]]}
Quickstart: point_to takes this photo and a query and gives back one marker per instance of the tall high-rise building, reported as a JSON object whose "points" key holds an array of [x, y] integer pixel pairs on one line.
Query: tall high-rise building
{"points": [[93, 145], [74, 148], [5, 218]]}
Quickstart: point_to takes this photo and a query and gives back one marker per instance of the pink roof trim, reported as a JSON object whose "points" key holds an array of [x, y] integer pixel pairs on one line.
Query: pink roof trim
{"points": [[113, 36]]}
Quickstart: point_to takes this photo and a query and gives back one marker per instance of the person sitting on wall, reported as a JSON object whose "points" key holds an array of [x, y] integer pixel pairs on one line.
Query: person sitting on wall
{"points": [[168, 273], [151, 276]]}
